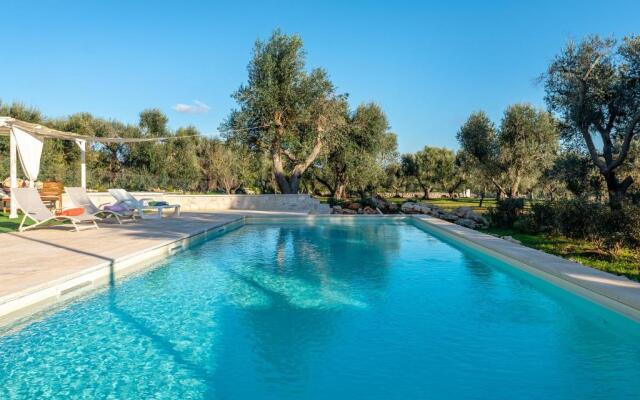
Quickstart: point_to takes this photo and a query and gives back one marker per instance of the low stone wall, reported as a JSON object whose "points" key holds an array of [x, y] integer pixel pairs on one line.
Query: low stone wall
{"points": [[200, 202]]}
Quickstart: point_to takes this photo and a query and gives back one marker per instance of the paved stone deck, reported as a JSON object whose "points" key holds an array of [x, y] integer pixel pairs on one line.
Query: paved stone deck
{"points": [[35, 262]]}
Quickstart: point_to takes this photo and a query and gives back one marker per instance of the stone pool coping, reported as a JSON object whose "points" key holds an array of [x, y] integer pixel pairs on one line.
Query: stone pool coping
{"points": [[43, 268], [614, 292]]}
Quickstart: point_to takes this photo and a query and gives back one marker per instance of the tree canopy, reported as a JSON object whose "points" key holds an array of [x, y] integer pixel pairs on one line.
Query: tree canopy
{"points": [[594, 86], [358, 156], [285, 111], [515, 154]]}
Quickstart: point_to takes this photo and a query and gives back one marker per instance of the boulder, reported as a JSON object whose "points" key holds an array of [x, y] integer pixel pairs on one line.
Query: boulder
{"points": [[354, 206], [368, 210], [336, 210], [408, 208], [467, 223], [348, 211], [463, 212], [468, 213], [383, 205], [449, 217], [415, 208], [511, 239]]}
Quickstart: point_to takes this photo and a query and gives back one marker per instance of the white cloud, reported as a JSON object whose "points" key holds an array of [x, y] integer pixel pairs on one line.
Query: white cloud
{"points": [[197, 107]]}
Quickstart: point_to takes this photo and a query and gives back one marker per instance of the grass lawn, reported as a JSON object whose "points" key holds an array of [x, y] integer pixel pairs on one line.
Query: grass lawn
{"points": [[450, 204], [446, 204], [626, 263], [10, 225]]}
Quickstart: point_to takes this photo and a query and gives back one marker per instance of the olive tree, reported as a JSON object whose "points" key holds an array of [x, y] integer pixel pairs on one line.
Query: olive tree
{"points": [[527, 144], [594, 86], [285, 111], [358, 155], [515, 154], [432, 167], [394, 178]]}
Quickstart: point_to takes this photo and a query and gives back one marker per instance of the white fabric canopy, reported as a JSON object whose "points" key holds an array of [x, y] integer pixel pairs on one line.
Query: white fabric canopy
{"points": [[29, 149], [26, 140]]}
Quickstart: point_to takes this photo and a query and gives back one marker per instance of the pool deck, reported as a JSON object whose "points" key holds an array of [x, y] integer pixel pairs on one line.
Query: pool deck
{"points": [[43, 267]]}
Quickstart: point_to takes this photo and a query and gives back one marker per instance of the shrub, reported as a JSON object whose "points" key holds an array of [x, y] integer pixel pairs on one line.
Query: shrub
{"points": [[545, 216], [612, 229], [526, 224], [506, 212], [332, 201], [580, 219], [621, 227], [368, 202]]}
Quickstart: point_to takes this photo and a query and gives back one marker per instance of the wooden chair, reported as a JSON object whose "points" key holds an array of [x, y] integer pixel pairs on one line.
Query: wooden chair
{"points": [[51, 194], [5, 199]]}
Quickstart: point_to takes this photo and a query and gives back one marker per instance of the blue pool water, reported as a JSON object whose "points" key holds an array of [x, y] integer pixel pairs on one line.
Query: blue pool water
{"points": [[343, 310]]}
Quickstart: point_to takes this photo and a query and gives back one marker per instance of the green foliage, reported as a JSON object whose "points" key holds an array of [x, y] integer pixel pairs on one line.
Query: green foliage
{"points": [[526, 223], [224, 166], [544, 215], [477, 137], [284, 111], [576, 174], [576, 219], [594, 87], [358, 157], [624, 262], [394, 178], [178, 164], [579, 218], [433, 168], [506, 212], [515, 155]]}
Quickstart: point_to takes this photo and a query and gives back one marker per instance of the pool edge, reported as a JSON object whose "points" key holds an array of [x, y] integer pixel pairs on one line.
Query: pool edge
{"points": [[27, 305], [610, 297], [24, 305]]}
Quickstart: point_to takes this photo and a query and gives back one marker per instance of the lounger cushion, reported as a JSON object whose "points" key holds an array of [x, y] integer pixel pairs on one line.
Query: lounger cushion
{"points": [[71, 212], [116, 208]]}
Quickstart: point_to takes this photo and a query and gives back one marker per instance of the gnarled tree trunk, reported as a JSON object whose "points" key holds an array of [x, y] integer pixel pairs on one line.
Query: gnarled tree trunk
{"points": [[289, 183], [616, 189]]}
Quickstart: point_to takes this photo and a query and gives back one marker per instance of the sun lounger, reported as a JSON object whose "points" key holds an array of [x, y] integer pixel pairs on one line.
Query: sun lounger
{"points": [[125, 198], [79, 198], [28, 200]]}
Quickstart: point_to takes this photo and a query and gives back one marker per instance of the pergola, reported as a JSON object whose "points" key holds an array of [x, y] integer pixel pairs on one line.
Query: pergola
{"points": [[26, 140]]}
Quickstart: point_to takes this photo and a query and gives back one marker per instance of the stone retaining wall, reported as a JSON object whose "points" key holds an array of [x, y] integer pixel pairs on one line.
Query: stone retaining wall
{"points": [[201, 202]]}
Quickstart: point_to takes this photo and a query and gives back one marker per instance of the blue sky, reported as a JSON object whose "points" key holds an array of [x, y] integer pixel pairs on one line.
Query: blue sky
{"points": [[429, 64]]}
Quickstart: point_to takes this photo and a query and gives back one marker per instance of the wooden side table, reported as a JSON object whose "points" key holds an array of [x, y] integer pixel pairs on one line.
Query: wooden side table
{"points": [[51, 201], [51, 194]]}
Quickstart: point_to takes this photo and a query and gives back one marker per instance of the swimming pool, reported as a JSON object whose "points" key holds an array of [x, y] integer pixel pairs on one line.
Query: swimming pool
{"points": [[347, 309]]}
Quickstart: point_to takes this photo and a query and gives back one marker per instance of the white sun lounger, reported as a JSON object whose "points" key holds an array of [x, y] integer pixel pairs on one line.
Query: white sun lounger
{"points": [[125, 198], [28, 200], [79, 198]]}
